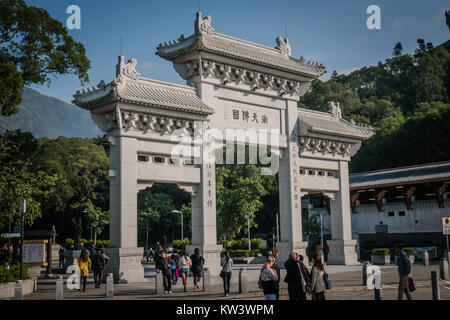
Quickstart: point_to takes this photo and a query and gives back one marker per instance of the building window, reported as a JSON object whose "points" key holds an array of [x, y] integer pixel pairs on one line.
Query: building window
{"points": [[321, 173], [401, 213], [311, 172], [143, 158], [302, 171], [391, 213], [188, 162], [173, 161], [159, 160], [331, 174]]}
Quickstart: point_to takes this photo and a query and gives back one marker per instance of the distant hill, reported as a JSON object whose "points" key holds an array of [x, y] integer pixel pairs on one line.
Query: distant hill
{"points": [[46, 116]]}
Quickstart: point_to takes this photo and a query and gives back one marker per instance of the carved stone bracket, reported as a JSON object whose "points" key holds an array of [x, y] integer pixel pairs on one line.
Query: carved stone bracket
{"points": [[379, 199], [143, 186], [324, 146], [355, 198], [150, 123], [191, 189], [408, 195], [440, 195], [255, 80]]}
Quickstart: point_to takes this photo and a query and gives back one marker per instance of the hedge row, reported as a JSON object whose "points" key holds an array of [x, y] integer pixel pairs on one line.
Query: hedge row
{"points": [[387, 252], [69, 241], [12, 274], [241, 244]]}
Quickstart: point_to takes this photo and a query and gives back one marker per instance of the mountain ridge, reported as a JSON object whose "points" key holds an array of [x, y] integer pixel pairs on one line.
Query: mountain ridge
{"points": [[46, 116]]}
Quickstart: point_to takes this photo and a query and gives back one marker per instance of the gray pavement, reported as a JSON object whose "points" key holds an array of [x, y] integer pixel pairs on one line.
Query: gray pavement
{"points": [[346, 281]]}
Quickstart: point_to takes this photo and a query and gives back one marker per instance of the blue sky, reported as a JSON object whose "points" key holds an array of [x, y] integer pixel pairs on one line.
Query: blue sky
{"points": [[331, 32]]}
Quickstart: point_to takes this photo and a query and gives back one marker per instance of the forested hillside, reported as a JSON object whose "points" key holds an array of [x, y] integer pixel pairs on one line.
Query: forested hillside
{"points": [[45, 116], [407, 101]]}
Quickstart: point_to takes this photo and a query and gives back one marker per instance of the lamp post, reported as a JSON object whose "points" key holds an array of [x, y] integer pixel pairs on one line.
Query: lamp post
{"points": [[278, 228], [177, 211], [249, 242], [23, 210]]}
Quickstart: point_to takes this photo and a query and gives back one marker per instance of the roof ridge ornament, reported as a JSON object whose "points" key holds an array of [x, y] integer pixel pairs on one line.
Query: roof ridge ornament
{"points": [[128, 70], [335, 109], [283, 45], [203, 25]]}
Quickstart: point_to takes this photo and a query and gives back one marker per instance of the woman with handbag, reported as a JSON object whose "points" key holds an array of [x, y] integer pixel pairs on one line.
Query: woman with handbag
{"points": [[227, 264], [317, 279], [268, 280]]}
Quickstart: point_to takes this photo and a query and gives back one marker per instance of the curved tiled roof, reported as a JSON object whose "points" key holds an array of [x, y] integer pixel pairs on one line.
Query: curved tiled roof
{"points": [[243, 50], [404, 175], [326, 123], [145, 92]]}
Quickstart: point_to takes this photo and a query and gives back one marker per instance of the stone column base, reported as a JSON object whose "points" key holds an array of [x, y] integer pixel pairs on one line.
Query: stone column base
{"points": [[125, 264], [342, 252], [285, 248], [211, 254]]}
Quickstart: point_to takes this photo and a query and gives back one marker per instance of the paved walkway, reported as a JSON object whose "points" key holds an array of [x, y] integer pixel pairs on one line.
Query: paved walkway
{"points": [[346, 281]]}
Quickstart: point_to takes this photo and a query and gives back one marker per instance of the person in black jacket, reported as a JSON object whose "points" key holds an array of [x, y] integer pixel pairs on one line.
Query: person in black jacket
{"points": [[163, 266], [277, 270], [98, 265], [294, 278], [197, 267]]}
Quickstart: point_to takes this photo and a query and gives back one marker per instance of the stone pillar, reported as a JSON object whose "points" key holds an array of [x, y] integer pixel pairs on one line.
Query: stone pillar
{"points": [[18, 290], [291, 238], [125, 256], [341, 246], [426, 258], [204, 228], [243, 281], [109, 290], [60, 288], [443, 268], [206, 280]]}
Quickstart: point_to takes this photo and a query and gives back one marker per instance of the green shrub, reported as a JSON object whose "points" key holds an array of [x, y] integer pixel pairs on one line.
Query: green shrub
{"points": [[257, 243], [242, 244], [104, 243], [69, 242], [181, 244], [225, 243], [409, 251], [13, 273], [239, 253], [381, 252]]}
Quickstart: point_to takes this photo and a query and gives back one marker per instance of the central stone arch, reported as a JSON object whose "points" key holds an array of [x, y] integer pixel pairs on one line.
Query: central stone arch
{"points": [[232, 85]]}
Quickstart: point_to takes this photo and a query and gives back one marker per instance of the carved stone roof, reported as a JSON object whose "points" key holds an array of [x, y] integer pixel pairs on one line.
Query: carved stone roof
{"points": [[129, 87], [207, 40], [331, 124], [403, 175]]}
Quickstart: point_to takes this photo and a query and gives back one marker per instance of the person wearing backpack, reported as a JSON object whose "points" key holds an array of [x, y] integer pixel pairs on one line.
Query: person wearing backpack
{"points": [[197, 267], [317, 279]]}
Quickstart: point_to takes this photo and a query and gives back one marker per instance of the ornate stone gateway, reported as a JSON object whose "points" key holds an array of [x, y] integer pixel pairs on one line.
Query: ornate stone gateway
{"points": [[232, 84]]}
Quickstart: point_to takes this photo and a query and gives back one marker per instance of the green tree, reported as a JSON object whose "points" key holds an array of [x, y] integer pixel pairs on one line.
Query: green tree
{"points": [[83, 167], [34, 46], [239, 189], [17, 181]]}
